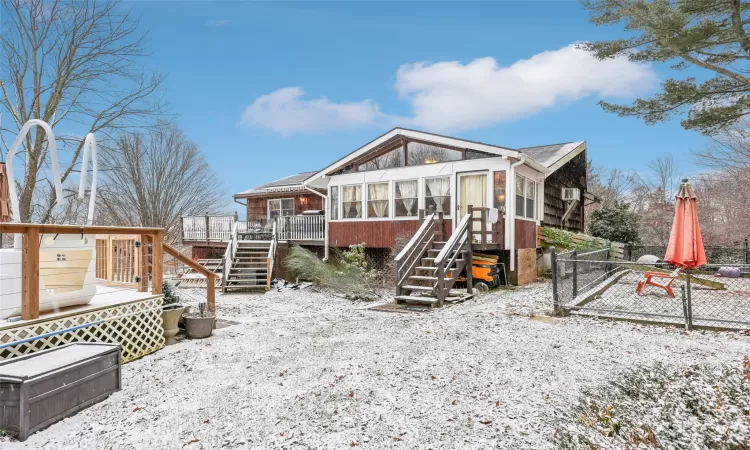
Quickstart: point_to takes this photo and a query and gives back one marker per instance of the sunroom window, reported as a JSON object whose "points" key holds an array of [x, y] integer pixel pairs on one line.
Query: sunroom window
{"points": [[406, 198], [377, 200], [334, 212], [419, 154], [352, 202], [438, 194]]}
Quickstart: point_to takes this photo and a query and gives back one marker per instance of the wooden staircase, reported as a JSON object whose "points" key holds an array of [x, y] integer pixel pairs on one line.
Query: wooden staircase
{"points": [[248, 265], [427, 268]]}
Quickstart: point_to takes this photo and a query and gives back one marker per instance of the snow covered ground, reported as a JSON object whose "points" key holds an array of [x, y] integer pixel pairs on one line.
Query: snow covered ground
{"points": [[307, 370]]}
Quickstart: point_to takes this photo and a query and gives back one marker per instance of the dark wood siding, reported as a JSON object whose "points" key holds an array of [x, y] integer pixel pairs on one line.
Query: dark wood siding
{"points": [[257, 207], [525, 233], [570, 175], [374, 233]]}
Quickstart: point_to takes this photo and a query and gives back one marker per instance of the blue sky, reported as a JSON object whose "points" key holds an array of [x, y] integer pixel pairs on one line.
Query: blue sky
{"points": [[325, 78]]}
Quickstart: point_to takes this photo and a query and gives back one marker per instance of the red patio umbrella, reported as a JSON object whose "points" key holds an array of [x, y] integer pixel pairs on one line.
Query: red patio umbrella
{"points": [[685, 249]]}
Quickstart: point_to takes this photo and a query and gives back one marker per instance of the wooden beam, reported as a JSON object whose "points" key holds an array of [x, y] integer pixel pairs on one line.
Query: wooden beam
{"points": [[74, 229], [157, 262], [30, 275], [143, 264], [211, 294]]}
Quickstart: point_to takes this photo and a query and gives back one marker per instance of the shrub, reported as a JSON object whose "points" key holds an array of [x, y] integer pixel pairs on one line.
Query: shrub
{"points": [[347, 272], [615, 223], [698, 407], [169, 296]]}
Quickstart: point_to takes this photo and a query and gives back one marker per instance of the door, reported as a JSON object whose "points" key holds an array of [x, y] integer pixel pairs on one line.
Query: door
{"points": [[472, 190]]}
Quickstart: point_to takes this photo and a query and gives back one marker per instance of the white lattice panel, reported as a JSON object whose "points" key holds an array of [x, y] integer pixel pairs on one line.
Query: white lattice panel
{"points": [[136, 326]]}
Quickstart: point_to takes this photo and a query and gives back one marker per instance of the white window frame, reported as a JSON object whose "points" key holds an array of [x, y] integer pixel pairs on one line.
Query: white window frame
{"points": [[526, 183], [337, 205], [393, 199], [366, 200], [280, 200], [451, 194]]}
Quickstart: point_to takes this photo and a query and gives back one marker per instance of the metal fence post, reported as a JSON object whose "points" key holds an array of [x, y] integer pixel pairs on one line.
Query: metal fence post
{"points": [[689, 302], [574, 254], [555, 298], [684, 308], [747, 253]]}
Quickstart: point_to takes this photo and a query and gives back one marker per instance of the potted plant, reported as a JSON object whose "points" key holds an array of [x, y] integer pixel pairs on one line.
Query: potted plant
{"points": [[171, 312], [199, 325]]}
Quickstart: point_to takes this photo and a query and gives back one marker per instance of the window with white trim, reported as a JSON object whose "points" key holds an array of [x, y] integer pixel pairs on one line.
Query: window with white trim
{"points": [[437, 193], [352, 202], [377, 201], [334, 211], [406, 198], [526, 191], [279, 207]]}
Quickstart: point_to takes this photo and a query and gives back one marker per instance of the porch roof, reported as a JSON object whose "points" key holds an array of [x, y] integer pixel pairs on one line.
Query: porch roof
{"points": [[287, 183], [554, 156]]}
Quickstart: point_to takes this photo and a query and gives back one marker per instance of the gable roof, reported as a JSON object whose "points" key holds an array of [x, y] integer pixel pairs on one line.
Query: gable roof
{"points": [[427, 137], [554, 156], [288, 181]]}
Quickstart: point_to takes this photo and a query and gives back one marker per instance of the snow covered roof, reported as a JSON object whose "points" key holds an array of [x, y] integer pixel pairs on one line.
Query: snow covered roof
{"points": [[288, 183], [555, 155]]}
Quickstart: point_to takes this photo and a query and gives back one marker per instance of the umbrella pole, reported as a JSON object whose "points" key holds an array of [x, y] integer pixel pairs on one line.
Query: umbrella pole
{"points": [[684, 307], [689, 302]]}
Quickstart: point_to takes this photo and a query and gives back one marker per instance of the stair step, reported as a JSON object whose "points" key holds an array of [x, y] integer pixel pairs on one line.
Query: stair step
{"points": [[412, 287], [248, 269], [423, 300], [237, 258], [425, 278], [433, 269], [457, 260]]}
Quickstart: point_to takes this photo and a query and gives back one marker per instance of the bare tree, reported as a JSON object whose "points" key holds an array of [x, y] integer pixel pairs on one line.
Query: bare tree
{"points": [[153, 178], [654, 199], [71, 63], [728, 151]]}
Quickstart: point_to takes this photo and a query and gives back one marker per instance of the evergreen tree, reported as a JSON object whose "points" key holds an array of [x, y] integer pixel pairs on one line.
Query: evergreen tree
{"points": [[615, 223], [710, 35]]}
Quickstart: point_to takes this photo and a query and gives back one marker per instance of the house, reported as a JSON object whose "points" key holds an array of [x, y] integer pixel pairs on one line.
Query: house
{"points": [[374, 195]]}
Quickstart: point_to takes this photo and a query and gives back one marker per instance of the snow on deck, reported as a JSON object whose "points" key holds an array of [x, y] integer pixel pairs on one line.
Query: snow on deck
{"points": [[306, 370]]}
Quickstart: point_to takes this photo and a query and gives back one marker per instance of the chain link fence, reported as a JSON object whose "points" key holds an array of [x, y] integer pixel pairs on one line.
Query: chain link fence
{"points": [[714, 296], [737, 254]]}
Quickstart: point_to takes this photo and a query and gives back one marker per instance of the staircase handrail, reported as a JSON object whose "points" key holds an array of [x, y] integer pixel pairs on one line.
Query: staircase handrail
{"points": [[426, 232], [271, 256], [229, 255], [457, 240], [412, 244]]}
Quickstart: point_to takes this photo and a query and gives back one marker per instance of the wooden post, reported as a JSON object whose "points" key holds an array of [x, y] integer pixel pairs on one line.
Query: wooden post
{"points": [[30, 274], [143, 266], [483, 218], [471, 225], [110, 259], [208, 233], [211, 294], [236, 217], [157, 262], [469, 255]]}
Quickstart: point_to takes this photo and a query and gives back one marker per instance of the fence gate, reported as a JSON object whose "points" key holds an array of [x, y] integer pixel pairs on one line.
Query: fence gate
{"points": [[118, 259]]}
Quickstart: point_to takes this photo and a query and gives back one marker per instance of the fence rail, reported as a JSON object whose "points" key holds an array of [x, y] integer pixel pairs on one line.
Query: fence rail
{"points": [[712, 296]]}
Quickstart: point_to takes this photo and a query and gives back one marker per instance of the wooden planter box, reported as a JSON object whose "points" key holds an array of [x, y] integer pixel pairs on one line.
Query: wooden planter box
{"points": [[39, 389]]}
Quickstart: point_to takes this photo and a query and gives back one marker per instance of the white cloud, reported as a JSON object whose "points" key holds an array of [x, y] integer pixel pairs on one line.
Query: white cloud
{"points": [[217, 22], [285, 111], [452, 96]]}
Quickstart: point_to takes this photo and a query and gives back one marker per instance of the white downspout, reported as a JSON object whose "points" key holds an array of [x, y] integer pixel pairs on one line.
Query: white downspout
{"points": [[510, 217], [325, 220]]}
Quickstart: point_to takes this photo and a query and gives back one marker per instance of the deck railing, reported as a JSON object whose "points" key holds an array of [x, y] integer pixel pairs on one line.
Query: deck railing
{"points": [[220, 228], [131, 263]]}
